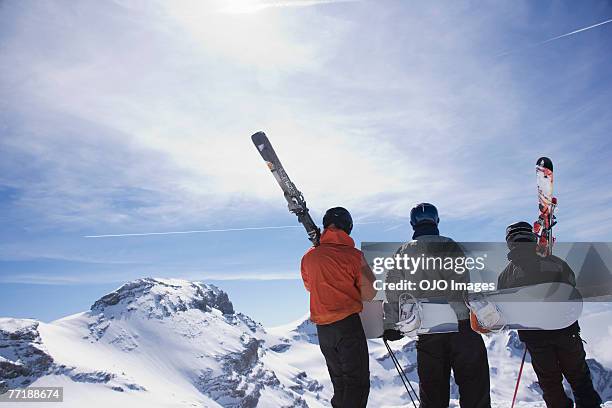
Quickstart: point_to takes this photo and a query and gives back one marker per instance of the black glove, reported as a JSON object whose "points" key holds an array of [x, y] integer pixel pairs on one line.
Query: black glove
{"points": [[392, 335]]}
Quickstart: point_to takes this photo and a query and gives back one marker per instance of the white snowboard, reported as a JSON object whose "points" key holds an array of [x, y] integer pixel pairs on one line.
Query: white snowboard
{"points": [[546, 306], [436, 318], [434, 315], [372, 317]]}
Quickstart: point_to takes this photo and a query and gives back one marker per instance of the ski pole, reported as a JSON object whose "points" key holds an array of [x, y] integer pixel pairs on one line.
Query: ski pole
{"points": [[518, 380], [400, 370], [402, 374]]}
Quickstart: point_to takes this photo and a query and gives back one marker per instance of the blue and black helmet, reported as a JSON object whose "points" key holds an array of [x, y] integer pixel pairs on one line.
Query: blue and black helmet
{"points": [[424, 213]]}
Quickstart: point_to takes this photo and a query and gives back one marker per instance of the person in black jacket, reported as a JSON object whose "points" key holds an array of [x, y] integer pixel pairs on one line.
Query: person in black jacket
{"points": [[463, 352], [554, 353]]}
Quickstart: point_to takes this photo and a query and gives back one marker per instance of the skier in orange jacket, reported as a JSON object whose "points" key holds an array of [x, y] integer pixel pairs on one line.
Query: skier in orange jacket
{"points": [[339, 279]]}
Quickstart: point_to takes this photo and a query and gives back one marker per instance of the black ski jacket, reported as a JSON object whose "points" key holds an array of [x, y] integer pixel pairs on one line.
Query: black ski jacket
{"points": [[527, 268], [427, 241]]}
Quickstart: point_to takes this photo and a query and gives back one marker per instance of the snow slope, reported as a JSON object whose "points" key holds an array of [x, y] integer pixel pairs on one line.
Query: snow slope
{"points": [[173, 343]]}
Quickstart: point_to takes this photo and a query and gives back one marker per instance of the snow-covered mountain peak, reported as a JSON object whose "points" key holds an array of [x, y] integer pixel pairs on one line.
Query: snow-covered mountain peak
{"points": [[173, 343], [160, 298], [151, 342]]}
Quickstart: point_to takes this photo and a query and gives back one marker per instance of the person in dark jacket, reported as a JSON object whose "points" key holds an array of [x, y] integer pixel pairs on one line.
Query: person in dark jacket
{"points": [[554, 353], [462, 352]]}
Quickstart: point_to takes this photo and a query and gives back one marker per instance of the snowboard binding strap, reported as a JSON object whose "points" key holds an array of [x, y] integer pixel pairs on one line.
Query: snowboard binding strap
{"points": [[410, 312]]}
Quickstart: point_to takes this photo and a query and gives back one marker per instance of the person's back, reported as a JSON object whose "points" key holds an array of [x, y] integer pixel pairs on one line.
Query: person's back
{"points": [[463, 352], [428, 244], [554, 353], [338, 279], [332, 274], [526, 268]]}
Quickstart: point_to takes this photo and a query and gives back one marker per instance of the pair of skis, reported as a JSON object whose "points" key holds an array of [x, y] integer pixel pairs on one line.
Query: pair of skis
{"points": [[547, 205], [295, 199]]}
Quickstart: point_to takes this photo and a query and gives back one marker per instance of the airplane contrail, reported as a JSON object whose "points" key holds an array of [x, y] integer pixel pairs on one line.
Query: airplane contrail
{"points": [[146, 234], [577, 31], [557, 37]]}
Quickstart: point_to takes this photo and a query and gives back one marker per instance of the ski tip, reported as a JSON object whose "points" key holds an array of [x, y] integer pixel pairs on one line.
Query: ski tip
{"points": [[545, 162], [259, 137]]}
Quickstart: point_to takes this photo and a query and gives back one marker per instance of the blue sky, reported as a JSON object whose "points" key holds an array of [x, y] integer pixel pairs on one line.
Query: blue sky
{"points": [[122, 117]]}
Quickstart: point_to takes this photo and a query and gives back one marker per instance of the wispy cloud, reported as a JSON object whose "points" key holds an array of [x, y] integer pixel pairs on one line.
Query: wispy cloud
{"points": [[250, 6], [105, 132]]}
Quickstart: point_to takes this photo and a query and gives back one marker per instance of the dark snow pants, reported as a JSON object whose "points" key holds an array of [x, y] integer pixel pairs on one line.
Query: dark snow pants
{"points": [[345, 349], [563, 356], [463, 352]]}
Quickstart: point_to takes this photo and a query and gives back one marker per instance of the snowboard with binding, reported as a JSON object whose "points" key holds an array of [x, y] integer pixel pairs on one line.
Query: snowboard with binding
{"points": [[434, 316], [427, 316], [545, 306]]}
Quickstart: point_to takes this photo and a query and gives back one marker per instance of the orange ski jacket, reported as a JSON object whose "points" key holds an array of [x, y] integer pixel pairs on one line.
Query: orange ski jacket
{"points": [[332, 274]]}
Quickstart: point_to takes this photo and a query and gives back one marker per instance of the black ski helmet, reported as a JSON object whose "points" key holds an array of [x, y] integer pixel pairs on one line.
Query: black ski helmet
{"points": [[340, 217], [519, 232], [424, 213]]}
